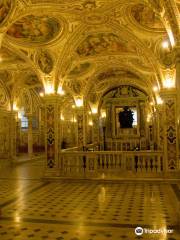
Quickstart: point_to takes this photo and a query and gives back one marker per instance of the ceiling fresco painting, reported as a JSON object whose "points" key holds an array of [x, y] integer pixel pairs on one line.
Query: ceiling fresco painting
{"points": [[5, 7], [31, 80], [85, 45], [146, 17], [9, 57], [80, 69], [103, 43], [35, 29], [45, 62]]}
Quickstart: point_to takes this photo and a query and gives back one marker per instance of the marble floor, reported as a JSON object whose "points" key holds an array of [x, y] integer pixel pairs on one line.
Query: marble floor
{"points": [[33, 208]]}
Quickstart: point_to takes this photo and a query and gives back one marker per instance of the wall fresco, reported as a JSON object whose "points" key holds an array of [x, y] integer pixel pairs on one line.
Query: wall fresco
{"points": [[5, 7], [146, 17], [103, 43], [36, 29]]}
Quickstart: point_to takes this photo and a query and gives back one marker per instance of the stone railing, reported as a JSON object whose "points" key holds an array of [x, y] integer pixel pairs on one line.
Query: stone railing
{"points": [[79, 163]]}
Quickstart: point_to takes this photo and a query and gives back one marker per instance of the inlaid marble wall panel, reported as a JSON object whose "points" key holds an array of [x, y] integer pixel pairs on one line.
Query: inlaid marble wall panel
{"points": [[4, 135], [171, 133]]}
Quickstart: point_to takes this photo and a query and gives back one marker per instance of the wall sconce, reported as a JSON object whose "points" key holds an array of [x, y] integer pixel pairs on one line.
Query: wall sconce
{"points": [[19, 115], [49, 89], [62, 117], [74, 120], [168, 83], [94, 110], [155, 88], [165, 44], [159, 100], [15, 108], [60, 91], [103, 114], [79, 102], [90, 123], [148, 117], [41, 94]]}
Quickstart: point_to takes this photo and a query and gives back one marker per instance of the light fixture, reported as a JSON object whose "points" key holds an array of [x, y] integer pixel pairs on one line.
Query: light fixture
{"points": [[79, 102], [148, 117], [159, 100], [165, 44], [49, 89], [155, 88], [94, 110], [73, 106], [151, 103], [41, 94], [103, 114], [168, 83], [62, 117], [74, 120], [15, 108], [60, 90], [90, 123], [19, 115]]}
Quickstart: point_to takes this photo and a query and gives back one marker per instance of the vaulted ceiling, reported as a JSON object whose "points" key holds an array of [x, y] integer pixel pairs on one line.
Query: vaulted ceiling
{"points": [[87, 46]]}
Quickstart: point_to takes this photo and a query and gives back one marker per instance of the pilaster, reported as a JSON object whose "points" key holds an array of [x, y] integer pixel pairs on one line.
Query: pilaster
{"points": [[81, 126], [30, 135], [95, 120], [52, 138], [171, 130]]}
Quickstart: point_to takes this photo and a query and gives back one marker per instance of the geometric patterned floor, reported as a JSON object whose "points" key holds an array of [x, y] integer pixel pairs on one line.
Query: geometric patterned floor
{"points": [[89, 210]]}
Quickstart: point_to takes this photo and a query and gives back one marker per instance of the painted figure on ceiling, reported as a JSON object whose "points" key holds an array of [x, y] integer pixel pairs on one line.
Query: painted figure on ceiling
{"points": [[5, 6]]}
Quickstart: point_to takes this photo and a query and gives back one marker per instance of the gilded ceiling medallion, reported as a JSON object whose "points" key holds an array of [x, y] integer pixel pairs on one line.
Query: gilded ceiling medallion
{"points": [[103, 43], [5, 8], [35, 29], [146, 17]]}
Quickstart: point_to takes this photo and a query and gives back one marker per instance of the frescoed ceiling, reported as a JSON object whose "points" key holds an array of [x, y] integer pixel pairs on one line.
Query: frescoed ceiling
{"points": [[5, 8], [87, 45], [34, 29]]}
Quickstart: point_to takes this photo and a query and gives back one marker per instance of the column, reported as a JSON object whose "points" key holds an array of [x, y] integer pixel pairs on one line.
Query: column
{"points": [[95, 132], [177, 64], [81, 126], [142, 118], [13, 142], [160, 126], [52, 135], [171, 131], [30, 135]]}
